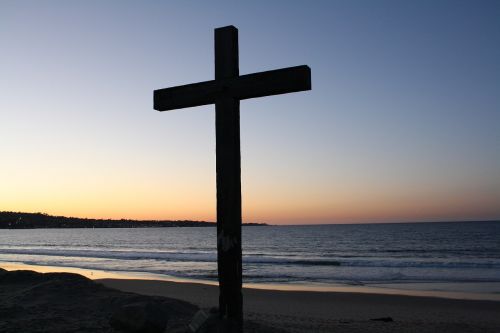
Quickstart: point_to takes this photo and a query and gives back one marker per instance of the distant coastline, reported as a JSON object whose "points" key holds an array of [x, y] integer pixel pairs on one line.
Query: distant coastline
{"points": [[19, 220]]}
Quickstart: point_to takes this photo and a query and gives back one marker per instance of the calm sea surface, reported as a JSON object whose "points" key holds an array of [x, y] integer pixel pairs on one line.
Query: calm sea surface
{"points": [[377, 253]]}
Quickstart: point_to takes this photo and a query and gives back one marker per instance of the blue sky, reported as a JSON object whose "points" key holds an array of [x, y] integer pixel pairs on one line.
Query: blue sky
{"points": [[402, 123]]}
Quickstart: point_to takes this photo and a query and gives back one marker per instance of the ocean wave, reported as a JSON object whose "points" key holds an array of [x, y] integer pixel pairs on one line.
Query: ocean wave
{"points": [[165, 256], [209, 257], [344, 275]]}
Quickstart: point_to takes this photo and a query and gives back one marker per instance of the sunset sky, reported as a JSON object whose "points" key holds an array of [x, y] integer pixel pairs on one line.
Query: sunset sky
{"points": [[402, 123]]}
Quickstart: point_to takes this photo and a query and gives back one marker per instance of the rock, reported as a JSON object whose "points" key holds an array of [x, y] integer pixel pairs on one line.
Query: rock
{"points": [[141, 317], [198, 320], [205, 321]]}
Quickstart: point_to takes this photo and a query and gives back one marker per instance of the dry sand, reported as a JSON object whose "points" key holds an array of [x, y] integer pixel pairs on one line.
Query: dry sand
{"points": [[33, 302], [305, 311], [65, 302]]}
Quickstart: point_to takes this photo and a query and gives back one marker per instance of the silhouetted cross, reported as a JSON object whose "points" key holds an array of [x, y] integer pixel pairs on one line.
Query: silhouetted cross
{"points": [[226, 91]]}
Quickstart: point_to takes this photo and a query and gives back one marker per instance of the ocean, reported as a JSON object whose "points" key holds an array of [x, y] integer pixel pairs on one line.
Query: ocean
{"points": [[311, 255]]}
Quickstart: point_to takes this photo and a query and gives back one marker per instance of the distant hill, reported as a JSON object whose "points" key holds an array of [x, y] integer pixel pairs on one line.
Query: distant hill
{"points": [[18, 220]]}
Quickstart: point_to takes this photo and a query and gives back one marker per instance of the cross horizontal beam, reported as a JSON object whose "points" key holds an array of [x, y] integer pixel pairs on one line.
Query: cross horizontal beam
{"points": [[275, 82]]}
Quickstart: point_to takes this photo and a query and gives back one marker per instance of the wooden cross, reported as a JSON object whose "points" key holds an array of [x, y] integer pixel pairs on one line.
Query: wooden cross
{"points": [[225, 92]]}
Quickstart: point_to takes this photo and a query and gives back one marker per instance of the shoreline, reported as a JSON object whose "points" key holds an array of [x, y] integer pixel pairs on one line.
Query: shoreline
{"points": [[270, 311], [457, 291]]}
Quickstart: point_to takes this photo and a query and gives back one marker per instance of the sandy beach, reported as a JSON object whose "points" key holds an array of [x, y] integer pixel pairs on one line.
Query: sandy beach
{"points": [[68, 302], [305, 311]]}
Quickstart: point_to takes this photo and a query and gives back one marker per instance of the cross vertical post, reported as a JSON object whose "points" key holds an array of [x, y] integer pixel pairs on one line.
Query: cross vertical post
{"points": [[226, 91], [228, 167]]}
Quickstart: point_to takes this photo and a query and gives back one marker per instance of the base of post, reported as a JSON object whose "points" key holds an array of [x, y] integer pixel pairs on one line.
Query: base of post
{"points": [[230, 326], [211, 321]]}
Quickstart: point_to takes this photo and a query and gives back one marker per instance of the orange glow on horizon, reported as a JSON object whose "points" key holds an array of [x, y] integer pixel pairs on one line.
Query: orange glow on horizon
{"points": [[106, 206], [106, 191]]}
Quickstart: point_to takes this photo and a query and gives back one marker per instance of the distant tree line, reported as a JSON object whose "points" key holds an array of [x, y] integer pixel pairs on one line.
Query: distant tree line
{"points": [[18, 220]]}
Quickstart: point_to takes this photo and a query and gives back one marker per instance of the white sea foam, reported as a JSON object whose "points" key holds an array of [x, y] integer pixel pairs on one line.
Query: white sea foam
{"points": [[336, 253]]}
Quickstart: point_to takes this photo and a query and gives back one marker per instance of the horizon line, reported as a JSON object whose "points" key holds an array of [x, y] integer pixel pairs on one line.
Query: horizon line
{"points": [[262, 222]]}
